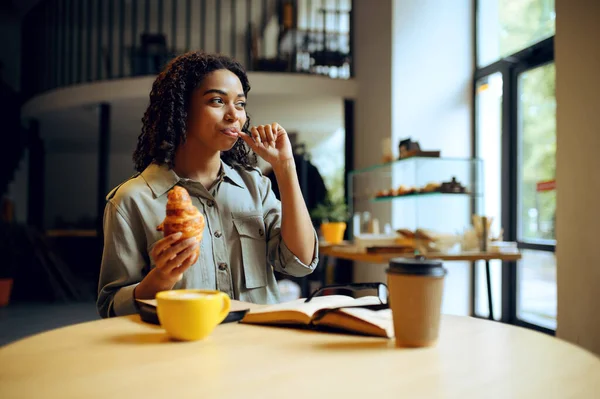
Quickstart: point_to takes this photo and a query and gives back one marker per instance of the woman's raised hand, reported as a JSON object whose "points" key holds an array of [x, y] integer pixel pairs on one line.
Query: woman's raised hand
{"points": [[270, 142]]}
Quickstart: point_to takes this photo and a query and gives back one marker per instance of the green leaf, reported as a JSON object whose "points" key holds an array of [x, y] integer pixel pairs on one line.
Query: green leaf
{"points": [[330, 211]]}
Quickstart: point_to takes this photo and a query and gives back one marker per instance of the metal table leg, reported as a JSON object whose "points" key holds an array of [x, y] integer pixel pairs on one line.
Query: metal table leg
{"points": [[489, 289], [324, 270]]}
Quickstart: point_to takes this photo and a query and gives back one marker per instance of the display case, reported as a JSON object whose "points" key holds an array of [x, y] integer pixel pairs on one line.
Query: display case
{"points": [[422, 204]]}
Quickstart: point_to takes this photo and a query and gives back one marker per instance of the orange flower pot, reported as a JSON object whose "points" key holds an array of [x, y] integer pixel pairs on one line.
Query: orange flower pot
{"points": [[5, 290], [333, 232]]}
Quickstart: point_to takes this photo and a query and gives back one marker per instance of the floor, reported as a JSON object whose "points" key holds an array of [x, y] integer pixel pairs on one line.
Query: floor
{"points": [[24, 319]]}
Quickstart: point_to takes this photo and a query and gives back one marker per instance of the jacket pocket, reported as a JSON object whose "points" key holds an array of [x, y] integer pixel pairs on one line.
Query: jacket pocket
{"points": [[251, 230]]}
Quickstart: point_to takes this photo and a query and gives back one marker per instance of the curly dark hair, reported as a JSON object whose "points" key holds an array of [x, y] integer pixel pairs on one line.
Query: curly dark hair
{"points": [[164, 122]]}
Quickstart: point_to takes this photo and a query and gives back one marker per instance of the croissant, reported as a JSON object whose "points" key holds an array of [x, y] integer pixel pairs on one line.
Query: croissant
{"points": [[182, 216]]}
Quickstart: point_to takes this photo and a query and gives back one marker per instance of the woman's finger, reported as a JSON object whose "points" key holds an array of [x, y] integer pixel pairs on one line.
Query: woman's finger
{"points": [[174, 250], [195, 257], [255, 135], [263, 136], [276, 129], [164, 244], [187, 263], [178, 260], [269, 135], [248, 140]]}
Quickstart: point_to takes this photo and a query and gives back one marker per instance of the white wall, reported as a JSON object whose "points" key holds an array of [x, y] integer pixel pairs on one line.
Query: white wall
{"points": [[432, 78], [577, 56], [414, 71], [432, 74]]}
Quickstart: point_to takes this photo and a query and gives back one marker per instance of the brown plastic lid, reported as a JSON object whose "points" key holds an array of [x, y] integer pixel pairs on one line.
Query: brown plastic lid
{"points": [[418, 266]]}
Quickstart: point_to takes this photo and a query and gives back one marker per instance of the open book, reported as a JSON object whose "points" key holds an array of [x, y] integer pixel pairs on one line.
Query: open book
{"points": [[323, 311]]}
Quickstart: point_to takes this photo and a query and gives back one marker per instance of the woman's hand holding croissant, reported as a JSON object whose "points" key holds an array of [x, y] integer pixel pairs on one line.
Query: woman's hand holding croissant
{"points": [[179, 249], [172, 258]]}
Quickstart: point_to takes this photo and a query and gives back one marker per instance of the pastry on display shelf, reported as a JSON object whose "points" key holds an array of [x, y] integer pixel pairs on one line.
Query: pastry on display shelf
{"points": [[450, 187]]}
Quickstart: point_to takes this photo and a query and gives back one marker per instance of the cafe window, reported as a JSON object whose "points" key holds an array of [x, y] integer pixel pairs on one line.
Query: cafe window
{"points": [[515, 135]]}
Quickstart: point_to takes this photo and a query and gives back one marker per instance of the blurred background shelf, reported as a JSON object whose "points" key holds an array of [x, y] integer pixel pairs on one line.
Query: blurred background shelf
{"points": [[415, 195], [384, 258]]}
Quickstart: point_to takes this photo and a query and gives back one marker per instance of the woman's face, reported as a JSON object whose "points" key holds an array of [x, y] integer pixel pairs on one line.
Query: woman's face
{"points": [[217, 112]]}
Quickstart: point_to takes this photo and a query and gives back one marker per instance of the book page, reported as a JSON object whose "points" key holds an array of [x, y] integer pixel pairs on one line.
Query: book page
{"points": [[377, 323], [149, 302], [316, 304], [379, 318]]}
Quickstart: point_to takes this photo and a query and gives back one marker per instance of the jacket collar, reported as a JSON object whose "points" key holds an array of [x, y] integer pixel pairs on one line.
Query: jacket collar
{"points": [[160, 178]]}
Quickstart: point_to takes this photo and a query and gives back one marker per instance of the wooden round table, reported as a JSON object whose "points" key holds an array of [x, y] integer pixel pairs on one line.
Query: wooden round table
{"points": [[126, 358]]}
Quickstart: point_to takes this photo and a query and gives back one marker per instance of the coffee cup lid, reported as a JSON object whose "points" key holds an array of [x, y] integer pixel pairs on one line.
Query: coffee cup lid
{"points": [[416, 266]]}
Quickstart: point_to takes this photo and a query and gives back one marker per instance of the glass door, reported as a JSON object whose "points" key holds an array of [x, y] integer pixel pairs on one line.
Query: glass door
{"points": [[536, 196], [515, 135]]}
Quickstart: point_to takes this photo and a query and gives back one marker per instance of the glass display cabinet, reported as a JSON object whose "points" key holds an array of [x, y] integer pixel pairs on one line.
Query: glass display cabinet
{"points": [[430, 201]]}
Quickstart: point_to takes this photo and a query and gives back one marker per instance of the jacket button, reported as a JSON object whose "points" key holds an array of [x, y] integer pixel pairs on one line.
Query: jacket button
{"points": [[210, 203], [222, 266], [218, 234], [261, 232]]}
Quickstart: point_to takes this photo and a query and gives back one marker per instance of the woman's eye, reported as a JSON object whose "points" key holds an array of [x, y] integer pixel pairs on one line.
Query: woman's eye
{"points": [[216, 101], [241, 105]]}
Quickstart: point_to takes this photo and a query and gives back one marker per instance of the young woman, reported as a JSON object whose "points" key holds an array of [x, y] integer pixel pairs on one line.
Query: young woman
{"points": [[196, 134]]}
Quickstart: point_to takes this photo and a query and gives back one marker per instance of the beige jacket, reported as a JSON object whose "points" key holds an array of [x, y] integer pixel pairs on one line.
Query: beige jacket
{"points": [[241, 245]]}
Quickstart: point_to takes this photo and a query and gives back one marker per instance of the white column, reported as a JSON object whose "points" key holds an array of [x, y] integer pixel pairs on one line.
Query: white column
{"points": [[372, 54]]}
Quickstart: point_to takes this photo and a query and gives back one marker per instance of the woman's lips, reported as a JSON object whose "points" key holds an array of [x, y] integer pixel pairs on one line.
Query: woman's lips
{"points": [[231, 132]]}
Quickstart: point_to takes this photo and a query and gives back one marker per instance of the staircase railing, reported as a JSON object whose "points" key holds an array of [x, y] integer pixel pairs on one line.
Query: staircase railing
{"points": [[68, 42]]}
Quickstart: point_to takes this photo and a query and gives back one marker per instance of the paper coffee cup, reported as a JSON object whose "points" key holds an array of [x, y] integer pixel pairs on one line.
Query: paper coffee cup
{"points": [[415, 288]]}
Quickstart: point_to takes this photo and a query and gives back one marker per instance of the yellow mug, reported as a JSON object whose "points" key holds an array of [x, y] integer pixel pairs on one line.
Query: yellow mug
{"points": [[189, 315]]}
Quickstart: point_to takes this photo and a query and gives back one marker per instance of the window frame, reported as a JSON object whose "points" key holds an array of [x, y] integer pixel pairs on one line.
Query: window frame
{"points": [[510, 67]]}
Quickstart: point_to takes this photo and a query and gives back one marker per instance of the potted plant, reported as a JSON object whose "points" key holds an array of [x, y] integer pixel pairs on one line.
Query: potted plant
{"points": [[332, 215]]}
